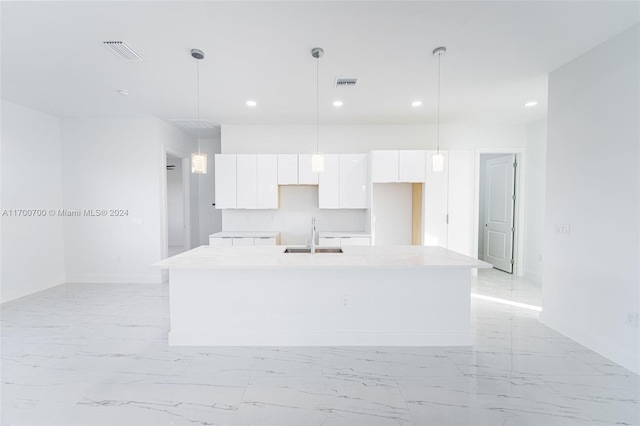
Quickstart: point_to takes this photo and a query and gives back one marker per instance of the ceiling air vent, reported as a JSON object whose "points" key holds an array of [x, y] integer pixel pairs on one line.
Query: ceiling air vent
{"points": [[192, 123], [124, 51], [346, 82]]}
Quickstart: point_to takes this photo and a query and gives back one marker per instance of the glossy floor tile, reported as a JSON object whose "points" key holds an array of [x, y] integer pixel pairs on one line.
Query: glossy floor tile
{"points": [[98, 355]]}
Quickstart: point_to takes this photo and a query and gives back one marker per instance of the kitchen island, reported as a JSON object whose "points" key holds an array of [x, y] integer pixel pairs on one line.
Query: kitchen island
{"points": [[374, 296]]}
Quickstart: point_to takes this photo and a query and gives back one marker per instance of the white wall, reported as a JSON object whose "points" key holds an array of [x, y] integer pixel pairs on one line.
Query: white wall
{"points": [[295, 139], [283, 139], [535, 200], [32, 247], [210, 218], [175, 202], [116, 164], [591, 277]]}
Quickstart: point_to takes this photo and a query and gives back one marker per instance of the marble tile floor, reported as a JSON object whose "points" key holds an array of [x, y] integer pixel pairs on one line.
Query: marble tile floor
{"points": [[97, 355]]}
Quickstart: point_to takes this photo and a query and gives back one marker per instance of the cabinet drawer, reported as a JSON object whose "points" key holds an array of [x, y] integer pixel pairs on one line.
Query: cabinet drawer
{"points": [[264, 241], [244, 241], [329, 241], [220, 242], [355, 241]]}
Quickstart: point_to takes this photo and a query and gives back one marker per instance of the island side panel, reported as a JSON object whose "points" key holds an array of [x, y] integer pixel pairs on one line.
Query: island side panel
{"points": [[327, 307]]}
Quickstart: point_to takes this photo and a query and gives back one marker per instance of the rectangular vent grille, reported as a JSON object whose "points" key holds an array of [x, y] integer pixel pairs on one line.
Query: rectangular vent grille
{"points": [[193, 123], [346, 82], [123, 51]]}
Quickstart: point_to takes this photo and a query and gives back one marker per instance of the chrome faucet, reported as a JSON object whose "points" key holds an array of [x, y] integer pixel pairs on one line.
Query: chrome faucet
{"points": [[313, 235]]}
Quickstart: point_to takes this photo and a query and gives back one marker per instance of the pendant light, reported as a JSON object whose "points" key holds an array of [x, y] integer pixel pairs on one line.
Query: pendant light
{"points": [[438, 158], [198, 159], [317, 159]]}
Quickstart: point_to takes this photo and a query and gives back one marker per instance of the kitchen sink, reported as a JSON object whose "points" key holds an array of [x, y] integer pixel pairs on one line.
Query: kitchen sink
{"points": [[308, 250]]}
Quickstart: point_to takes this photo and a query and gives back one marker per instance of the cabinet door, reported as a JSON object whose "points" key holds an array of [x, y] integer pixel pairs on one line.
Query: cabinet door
{"points": [[305, 175], [264, 241], [267, 181], [355, 241], [460, 194], [287, 169], [329, 241], [384, 166], [412, 166], [220, 242], [354, 188], [243, 241], [329, 183], [435, 204], [225, 185], [247, 189]]}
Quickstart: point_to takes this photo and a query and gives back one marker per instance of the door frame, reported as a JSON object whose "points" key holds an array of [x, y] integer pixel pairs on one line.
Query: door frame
{"points": [[520, 176], [186, 199]]}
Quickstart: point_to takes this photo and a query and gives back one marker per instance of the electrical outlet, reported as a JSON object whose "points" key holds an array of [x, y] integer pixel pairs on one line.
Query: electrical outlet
{"points": [[632, 319], [345, 301]]}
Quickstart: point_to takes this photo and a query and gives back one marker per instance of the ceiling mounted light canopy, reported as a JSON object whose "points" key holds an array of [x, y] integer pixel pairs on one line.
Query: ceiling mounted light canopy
{"points": [[438, 159], [198, 159], [317, 159]]}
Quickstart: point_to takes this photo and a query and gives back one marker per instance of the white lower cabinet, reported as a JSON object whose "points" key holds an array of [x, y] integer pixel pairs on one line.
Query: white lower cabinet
{"points": [[264, 241], [329, 241], [355, 241], [244, 241], [220, 242], [247, 238], [344, 241]]}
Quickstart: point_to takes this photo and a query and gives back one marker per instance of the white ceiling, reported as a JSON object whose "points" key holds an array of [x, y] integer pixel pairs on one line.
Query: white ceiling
{"points": [[499, 54]]}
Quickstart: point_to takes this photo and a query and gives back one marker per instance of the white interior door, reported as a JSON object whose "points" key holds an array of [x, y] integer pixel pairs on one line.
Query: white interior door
{"points": [[499, 207]]}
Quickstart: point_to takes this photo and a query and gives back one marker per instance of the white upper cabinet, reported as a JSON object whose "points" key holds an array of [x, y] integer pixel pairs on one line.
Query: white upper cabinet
{"points": [[246, 181], [384, 166], [329, 182], [305, 175], [225, 185], [247, 185], [412, 166], [267, 181], [288, 169], [398, 166], [354, 181]]}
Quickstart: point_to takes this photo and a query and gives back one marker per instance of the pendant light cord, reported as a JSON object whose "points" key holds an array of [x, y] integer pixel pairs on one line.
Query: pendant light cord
{"points": [[317, 105], [198, 97], [438, 138]]}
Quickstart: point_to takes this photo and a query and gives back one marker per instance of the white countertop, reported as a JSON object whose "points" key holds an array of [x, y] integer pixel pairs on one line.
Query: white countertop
{"points": [[354, 257], [324, 234], [245, 234]]}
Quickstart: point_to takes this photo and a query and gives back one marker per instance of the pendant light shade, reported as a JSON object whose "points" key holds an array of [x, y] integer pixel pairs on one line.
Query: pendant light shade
{"points": [[438, 159], [317, 159], [437, 162], [198, 163], [198, 159], [317, 163]]}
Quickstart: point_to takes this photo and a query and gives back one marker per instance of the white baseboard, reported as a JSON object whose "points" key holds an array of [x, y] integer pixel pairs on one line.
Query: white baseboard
{"points": [[283, 338], [603, 347], [115, 278]]}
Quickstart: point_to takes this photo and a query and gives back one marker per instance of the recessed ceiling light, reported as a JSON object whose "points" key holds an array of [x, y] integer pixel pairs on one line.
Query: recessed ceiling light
{"points": [[337, 103], [251, 103], [416, 103], [123, 92], [531, 103]]}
